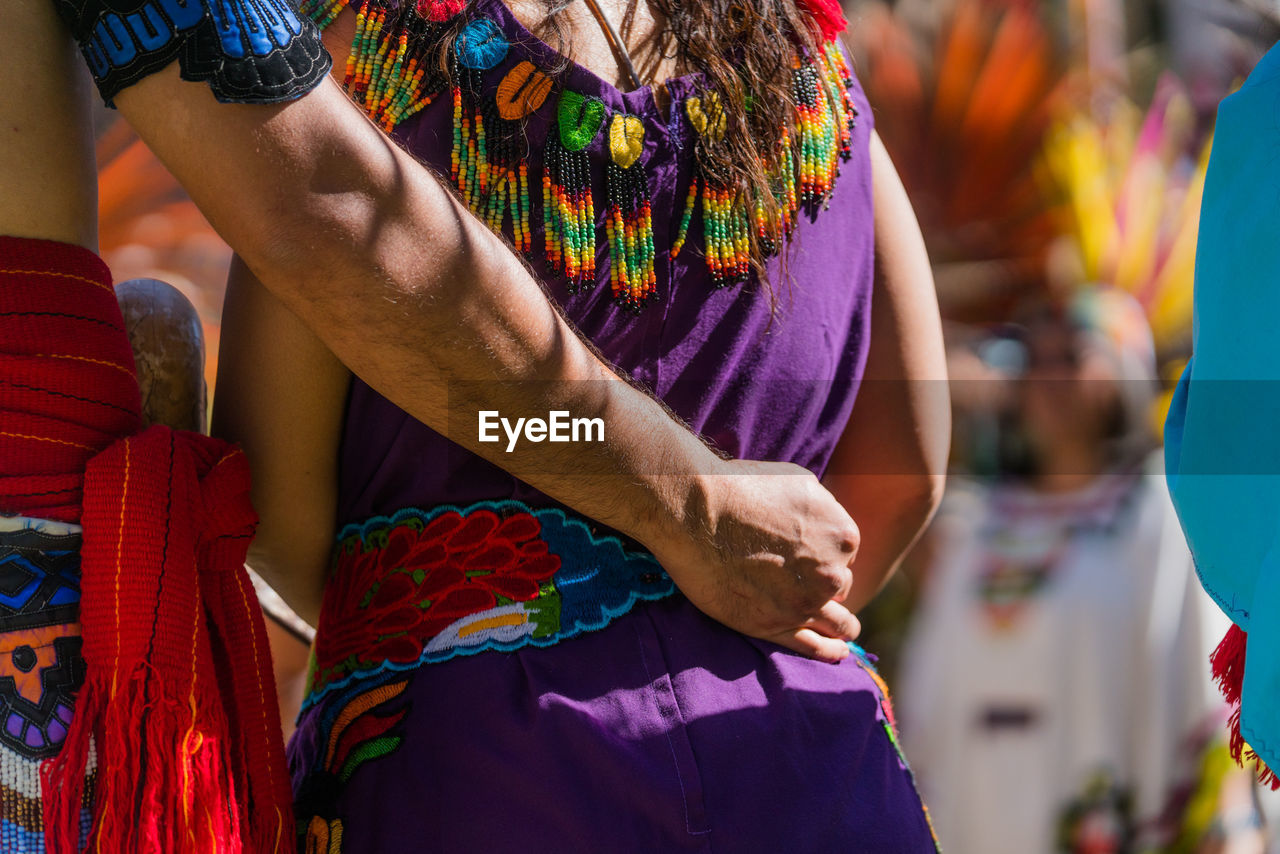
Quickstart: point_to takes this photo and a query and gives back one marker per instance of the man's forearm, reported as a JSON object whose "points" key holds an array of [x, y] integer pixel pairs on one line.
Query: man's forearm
{"points": [[332, 220]]}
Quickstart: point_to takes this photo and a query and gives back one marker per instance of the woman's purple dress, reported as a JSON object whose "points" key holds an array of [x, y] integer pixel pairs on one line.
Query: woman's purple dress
{"points": [[624, 719]]}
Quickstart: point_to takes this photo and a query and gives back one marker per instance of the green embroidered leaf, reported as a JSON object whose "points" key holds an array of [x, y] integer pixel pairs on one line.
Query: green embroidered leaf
{"points": [[544, 612], [579, 118], [374, 749]]}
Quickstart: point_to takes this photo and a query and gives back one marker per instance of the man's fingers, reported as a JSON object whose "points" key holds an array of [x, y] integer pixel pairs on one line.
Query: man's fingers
{"points": [[813, 645], [846, 584], [835, 621]]}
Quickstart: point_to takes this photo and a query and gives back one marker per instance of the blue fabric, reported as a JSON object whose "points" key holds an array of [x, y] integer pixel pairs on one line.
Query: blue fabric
{"points": [[1222, 437]]}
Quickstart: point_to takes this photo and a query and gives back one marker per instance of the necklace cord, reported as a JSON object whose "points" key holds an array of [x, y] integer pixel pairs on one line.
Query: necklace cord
{"points": [[615, 44]]}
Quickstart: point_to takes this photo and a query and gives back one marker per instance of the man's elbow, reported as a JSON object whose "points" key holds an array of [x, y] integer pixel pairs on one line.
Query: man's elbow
{"points": [[314, 244], [909, 500], [348, 260]]}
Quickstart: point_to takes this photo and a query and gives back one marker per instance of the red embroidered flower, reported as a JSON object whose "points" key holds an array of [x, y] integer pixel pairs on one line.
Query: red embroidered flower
{"points": [[390, 598]]}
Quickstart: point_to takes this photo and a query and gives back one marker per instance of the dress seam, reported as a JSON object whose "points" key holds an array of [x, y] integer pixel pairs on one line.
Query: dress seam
{"points": [[675, 760]]}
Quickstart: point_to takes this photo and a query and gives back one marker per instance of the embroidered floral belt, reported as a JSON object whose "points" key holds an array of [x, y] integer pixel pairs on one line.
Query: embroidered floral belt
{"points": [[425, 586]]}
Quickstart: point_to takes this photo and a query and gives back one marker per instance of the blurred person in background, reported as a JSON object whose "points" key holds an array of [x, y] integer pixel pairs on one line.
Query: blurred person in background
{"points": [[1055, 687]]}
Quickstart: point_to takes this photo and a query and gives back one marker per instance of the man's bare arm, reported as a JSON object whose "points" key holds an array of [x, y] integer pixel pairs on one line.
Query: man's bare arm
{"points": [[416, 296], [48, 180]]}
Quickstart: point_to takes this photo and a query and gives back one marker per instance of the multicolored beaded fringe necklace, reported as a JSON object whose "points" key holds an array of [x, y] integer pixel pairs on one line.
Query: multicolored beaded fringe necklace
{"points": [[390, 73], [629, 220], [568, 210]]}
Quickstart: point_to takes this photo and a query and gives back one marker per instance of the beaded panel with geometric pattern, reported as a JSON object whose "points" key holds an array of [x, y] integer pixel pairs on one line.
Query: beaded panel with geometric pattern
{"points": [[40, 663]]}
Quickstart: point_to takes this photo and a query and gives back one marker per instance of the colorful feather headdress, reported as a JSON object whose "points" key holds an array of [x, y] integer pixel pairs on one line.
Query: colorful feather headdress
{"points": [[964, 114], [1129, 189]]}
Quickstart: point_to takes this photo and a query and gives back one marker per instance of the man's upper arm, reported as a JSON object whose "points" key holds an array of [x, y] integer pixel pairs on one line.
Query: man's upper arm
{"points": [[47, 174]]}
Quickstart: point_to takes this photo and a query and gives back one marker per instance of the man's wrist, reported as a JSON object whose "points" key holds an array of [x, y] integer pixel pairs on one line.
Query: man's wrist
{"points": [[684, 507]]}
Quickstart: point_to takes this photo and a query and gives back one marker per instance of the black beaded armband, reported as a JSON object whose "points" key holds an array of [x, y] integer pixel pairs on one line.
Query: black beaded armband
{"points": [[249, 51]]}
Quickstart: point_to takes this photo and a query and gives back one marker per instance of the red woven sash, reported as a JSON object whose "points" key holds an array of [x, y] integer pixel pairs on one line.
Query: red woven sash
{"points": [[67, 382], [178, 698]]}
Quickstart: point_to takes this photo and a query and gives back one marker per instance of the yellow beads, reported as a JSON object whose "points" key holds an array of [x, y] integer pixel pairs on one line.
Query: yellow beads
{"points": [[629, 226], [709, 122]]}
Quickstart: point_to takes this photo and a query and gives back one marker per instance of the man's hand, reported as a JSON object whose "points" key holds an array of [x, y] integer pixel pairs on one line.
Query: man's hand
{"points": [[772, 558]]}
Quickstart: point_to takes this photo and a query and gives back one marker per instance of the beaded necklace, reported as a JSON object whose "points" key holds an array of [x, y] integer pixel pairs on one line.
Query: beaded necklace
{"points": [[390, 73], [569, 213]]}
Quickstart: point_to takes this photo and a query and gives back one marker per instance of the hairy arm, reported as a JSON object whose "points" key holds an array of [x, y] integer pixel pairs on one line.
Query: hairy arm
{"points": [[379, 259], [889, 466]]}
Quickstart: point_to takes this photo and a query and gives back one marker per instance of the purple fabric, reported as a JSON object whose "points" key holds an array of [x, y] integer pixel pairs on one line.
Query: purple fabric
{"points": [[664, 731]]}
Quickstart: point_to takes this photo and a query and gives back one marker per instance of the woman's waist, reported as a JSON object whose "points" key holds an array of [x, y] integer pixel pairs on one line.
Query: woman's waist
{"points": [[425, 585]]}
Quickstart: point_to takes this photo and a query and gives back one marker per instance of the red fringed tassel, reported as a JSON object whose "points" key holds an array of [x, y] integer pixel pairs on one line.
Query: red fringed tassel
{"points": [[178, 698], [245, 671], [184, 719], [1228, 672], [1228, 664]]}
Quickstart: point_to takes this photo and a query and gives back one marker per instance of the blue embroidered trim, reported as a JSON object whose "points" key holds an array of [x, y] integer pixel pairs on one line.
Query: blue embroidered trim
{"points": [[599, 580], [254, 51]]}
